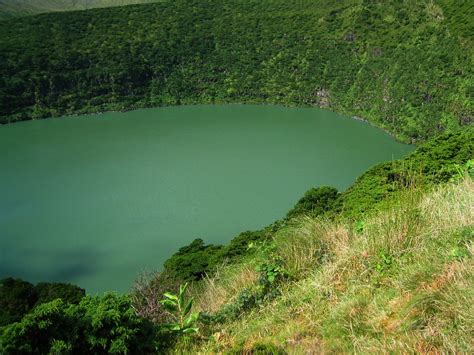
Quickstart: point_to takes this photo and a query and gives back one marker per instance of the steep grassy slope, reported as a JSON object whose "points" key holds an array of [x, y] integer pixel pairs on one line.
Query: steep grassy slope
{"points": [[19, 8], [406, 66], [403, 283]]}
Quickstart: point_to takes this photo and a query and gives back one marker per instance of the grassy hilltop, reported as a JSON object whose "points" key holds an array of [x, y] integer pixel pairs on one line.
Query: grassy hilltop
{"points": [[404, 66], [19, 8]]}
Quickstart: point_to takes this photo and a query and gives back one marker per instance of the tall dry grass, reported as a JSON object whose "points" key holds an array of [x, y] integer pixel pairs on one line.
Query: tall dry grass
{"points": [[403, 284]]}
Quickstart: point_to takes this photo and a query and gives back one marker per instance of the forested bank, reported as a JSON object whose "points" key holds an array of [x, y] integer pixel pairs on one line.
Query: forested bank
{"points": [[406, 67]]}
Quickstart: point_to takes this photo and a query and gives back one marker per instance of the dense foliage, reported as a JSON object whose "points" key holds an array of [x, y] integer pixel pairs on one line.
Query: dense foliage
{"points": [[18, 297], [405, 66], [96, 325], [196, 260], [316, 201], [432, 163]]}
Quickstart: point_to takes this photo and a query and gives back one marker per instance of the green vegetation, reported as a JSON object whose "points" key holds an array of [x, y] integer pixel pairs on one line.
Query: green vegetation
{"points": [[18, 8], [404, 66], [184, 320], [403, 284], [105, 324], [385, 266], [432, 163], [18, 297], [316, 201]]}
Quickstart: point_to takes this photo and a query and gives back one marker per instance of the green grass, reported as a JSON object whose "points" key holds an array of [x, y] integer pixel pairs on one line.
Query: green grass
{"points": [[403, 284]]}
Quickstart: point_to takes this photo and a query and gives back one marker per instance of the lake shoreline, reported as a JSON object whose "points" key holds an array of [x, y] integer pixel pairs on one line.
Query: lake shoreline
{"points": [[223, 103]]}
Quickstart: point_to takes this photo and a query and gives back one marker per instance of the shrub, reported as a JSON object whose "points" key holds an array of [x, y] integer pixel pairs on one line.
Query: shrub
{"points": [[146, 294], [18, 297], [315, 202], [193, 261], [96, 325]]}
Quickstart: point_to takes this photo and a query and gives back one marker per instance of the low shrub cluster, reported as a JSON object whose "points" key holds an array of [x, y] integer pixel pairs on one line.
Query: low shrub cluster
{"points": [[105, 324], [18, 297]]}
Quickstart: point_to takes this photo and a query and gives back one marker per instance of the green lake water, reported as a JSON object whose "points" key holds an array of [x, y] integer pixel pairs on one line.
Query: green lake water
{"points": [[95, 200]]}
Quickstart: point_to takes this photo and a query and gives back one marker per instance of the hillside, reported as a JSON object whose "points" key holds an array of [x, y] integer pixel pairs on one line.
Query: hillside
{"points": [[402, 283], [19, 8], [405, 67]]}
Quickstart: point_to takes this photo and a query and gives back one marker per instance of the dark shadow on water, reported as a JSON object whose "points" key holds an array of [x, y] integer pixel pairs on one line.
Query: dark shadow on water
{"points": [[70, 265]]}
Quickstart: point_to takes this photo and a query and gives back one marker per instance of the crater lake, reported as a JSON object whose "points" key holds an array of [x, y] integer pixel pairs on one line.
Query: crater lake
{"points": [[96, 200]]}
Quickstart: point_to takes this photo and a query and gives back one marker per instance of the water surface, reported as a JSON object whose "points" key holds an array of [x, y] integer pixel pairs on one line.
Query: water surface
{"points": [[94, 200]]}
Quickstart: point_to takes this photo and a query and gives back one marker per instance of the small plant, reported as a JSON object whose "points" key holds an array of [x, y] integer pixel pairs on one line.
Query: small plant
{"points": [[384, 263], [360, 226], [460, 250], [458, 253], [460, 171], [266, 289], [270, 276], [269, 273], [184, 320]]}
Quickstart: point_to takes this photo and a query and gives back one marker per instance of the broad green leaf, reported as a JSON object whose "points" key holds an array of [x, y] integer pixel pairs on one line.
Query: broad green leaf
{"points": [[169, 305], [182, 291], [191, 319], [190, 330], [170, 296], [188, 307]]}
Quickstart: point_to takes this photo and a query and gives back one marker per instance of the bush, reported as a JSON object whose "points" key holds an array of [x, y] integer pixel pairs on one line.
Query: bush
{"points": [[18, 297], [192, 262], [316, 202], [47, 292], [96, 325], [147, 292]]}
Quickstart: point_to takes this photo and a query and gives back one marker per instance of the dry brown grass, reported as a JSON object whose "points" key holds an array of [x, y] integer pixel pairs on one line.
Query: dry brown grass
{"points": [[223, 287], [339, 302]]}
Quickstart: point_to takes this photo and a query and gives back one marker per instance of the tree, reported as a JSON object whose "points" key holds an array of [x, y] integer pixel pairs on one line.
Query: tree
{"points": [[315, 201]]}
